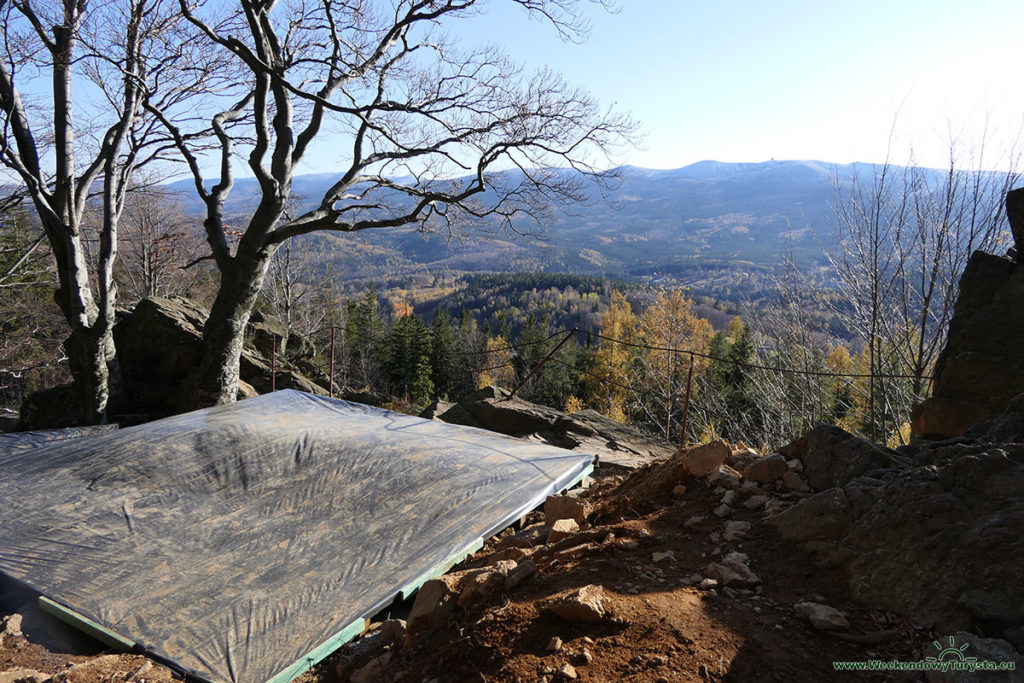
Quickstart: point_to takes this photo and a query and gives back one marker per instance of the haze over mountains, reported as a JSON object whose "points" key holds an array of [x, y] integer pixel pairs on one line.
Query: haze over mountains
{"points": [[655, 222]]}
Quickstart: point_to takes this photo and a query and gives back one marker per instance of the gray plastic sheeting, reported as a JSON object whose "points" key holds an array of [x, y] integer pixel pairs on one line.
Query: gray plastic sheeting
{"points": [[236, 540]]}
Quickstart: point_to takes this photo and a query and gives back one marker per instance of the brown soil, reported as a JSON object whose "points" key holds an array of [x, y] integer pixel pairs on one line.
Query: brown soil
{"points": [[664, 628], [668, 630], [19, 653]]}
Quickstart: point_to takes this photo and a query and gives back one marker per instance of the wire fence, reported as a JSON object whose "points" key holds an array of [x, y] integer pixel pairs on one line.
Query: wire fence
{"points": [[886, 414]]}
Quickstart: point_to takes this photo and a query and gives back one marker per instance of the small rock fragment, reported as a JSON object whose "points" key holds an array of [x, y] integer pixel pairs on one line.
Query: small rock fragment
{"points": [[481, 584], [562, 528], [667, 555], [725, 477], [767, 469], [755, 502], [522, 572], [693, 521], [733, 570], [435, 600], [723, 510], [565, 507], [392, 631], [822, 617], [555, 644], [678, 491], [735, 531], [12, 625], [567, 671], [372, 671], [586, 604], [794, 482], [702, 460]]}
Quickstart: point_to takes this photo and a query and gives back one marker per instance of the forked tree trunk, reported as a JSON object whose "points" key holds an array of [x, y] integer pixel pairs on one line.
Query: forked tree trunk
{"points": [[96, 373], [217, 377], [92, 358]]}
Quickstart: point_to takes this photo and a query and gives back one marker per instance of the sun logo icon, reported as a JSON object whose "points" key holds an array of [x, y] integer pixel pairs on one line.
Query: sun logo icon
{"points": [[951, 652]]}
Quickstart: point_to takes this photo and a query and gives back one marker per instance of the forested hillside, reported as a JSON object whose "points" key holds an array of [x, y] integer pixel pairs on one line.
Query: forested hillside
{"points": [[741, 265]]}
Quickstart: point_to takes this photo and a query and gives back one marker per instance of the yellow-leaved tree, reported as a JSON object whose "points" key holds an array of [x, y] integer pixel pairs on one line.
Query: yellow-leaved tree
{"points": [[498, 371], [608, 381], [674, 330]]}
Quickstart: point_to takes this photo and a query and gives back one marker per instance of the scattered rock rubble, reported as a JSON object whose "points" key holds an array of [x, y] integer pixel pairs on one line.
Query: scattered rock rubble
{"points": [[586, 577]]}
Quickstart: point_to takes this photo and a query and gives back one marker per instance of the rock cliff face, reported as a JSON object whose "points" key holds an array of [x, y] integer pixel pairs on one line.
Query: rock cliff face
{"points": [[982, 367]]}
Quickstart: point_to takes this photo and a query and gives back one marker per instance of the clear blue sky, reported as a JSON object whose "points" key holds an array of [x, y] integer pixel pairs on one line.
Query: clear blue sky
{"points": [[749, 81]]}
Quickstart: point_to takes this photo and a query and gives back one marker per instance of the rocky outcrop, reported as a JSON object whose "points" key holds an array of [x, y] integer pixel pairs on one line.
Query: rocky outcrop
{"points": [[832, 456], [613, 442], [1007, 427], [157, 343], [981, 367], [161, 340], [938, 539]]}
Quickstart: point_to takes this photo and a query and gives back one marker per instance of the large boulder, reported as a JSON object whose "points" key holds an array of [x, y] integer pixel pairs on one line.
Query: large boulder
{"points": [[157, 344], [939, 542], [981, 368], [161, 341], [832, 456]]}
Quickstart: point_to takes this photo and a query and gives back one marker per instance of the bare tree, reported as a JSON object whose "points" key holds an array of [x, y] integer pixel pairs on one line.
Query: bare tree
{"points": [[423, 131], [159, 243], [904, 237], [64, 154]]}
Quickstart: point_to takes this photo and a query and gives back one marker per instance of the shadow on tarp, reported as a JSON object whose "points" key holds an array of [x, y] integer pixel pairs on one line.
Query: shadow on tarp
{"points": [[247, 541]]}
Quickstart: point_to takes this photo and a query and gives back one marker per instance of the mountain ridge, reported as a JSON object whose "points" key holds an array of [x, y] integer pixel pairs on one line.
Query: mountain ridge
{"points": [[654, 221]]}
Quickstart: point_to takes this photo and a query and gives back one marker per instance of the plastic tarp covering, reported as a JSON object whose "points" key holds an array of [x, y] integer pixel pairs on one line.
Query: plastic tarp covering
{"points": [[17, 442], [234, 541]]}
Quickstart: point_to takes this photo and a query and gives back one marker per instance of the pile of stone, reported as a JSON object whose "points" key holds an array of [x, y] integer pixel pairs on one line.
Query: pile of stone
{"points": [[745, 476]]}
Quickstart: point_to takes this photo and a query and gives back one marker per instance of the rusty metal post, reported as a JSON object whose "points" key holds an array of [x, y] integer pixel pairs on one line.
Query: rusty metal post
{"points": [[686, 403], [543, 361], [273, 363], [330, 380]]}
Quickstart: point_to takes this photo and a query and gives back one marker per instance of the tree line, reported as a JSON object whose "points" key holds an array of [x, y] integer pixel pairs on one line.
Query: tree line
{"points": [[761, 381]]}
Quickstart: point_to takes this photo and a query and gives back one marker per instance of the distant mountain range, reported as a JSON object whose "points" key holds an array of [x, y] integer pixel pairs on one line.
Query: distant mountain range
{"points": [[655, 222]]}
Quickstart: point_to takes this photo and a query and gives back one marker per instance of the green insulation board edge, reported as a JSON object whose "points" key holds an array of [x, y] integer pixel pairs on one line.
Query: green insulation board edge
{"points": [[84, 624], [317, 655], [441, 567], [580, 477]]}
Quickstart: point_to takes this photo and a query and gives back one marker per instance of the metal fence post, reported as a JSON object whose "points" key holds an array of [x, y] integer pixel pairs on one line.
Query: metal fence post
{"points": [[545, 360], [686, 403]]}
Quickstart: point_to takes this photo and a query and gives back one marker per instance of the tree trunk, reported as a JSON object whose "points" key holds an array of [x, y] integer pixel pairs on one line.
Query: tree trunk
{"points": [[92, 358], [97, 376], [216, 381]]}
